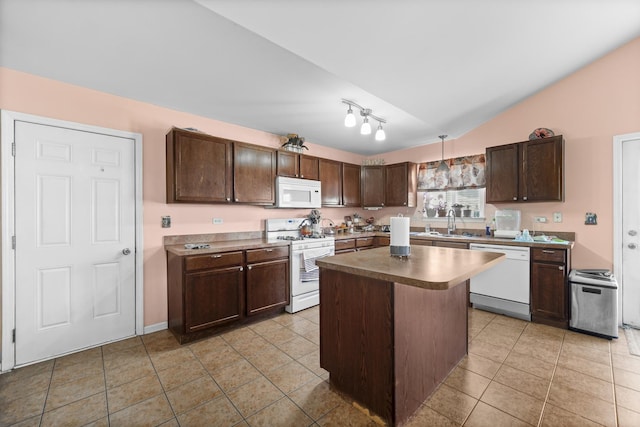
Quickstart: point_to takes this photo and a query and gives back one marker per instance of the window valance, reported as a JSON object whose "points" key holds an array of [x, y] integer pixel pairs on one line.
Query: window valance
{"points": [[464, 172]]}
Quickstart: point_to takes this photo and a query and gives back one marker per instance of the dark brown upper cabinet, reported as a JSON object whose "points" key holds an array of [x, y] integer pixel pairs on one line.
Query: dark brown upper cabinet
{"points": [[373, 186], [254, 171], [331, 179], [351, 185], [206, 169], [288, 164], [401, 183], [199, 168], [309, 167], [529, 171]]}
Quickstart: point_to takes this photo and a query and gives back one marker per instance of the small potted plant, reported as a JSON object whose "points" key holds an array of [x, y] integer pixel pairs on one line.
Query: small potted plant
{"points": [[442, 209], [457, 209], [293, 142]]}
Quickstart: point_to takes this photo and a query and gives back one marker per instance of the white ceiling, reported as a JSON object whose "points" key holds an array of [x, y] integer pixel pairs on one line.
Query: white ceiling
{"points": [[282, 66]]}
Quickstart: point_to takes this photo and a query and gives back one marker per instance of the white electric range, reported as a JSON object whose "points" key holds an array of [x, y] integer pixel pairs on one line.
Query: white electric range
{"points": [[304, 274]]}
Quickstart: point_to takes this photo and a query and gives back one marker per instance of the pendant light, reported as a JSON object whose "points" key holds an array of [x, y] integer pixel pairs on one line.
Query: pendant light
{"points": [[365, 129], [380, 135], [350, 119], [443, 167]]}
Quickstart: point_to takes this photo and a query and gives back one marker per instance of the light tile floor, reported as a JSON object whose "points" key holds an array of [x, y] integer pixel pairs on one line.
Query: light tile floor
{"points": [[268, 374]]}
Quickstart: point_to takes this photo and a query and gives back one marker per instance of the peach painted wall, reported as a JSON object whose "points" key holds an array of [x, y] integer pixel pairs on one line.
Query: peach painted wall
{"points": [[589, 108], [48, 98]]}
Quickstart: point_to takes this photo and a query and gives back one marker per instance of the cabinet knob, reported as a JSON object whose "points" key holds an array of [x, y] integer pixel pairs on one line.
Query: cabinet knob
{"points": [[301, 176], [404, 203], [515, 198], [241, 269], [248, 267], [228, 199], [381, 204], [561, 267], [236, 199], [524, 198]]}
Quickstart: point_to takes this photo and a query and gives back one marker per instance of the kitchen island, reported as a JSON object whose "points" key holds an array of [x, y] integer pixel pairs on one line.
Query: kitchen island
{"points": [[391, 329]]}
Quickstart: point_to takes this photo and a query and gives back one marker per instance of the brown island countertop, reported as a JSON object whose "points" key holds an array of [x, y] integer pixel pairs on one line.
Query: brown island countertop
{"points": [[428, 267], [391, 329]]}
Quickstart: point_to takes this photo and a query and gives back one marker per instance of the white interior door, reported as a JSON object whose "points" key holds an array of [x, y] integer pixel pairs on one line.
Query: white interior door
{"points": [[75, 240], [630, 231]]}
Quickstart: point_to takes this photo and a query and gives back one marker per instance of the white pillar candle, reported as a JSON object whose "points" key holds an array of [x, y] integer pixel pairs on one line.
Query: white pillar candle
{"points": [[400, 235]]}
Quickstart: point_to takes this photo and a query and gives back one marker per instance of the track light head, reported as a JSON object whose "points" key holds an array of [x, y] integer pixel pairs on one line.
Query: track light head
{"points": [[380, 135], [350, 119], [365, 129]]}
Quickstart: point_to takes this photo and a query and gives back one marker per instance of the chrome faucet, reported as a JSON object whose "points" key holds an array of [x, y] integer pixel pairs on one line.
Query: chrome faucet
{"points": [[451, 222]]}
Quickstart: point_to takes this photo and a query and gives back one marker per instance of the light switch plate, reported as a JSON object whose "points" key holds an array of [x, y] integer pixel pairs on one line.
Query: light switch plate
{"points": [[541, 219], [557, 217]]}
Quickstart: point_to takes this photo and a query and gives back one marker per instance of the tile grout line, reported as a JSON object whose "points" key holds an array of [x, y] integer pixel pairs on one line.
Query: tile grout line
{"points": [[553, 374], [613, 386]]}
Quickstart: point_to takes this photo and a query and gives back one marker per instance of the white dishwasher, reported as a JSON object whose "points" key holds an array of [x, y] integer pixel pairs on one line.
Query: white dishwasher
{"points": [[504, 288]]}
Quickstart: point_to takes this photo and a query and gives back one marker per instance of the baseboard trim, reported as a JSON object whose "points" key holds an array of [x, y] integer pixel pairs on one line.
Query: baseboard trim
{"points": [[149, 329]]}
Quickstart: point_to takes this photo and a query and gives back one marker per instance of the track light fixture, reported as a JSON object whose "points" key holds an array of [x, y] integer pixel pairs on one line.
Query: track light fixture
{"points": [[366, 113]]}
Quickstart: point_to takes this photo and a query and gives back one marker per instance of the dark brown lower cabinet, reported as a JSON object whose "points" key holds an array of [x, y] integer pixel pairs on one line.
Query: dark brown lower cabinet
{"points": [[267, 285], [214, 292], [203, 292], [549, 287]]}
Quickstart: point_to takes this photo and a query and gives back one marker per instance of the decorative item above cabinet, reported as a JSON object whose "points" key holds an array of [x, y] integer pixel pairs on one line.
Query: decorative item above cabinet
{"points": [[528, 171]]}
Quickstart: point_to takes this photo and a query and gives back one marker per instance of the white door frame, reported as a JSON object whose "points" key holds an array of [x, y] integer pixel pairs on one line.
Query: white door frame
{"points": [[618, 140], [7, 122]]}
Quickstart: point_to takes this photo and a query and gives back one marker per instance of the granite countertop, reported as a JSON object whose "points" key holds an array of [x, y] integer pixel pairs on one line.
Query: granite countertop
{"points": [[224, 242], [219, 242], [428, 267], [464, 239]]}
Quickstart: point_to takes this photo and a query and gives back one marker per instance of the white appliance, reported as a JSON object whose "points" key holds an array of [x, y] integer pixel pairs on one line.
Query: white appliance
{"points": [[504, 288], [304, 273], [594, 302], [297, 193], [507, 223]]}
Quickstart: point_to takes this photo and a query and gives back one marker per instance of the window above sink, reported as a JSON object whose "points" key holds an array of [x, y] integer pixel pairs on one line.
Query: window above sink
{"points": [[468, 204]]}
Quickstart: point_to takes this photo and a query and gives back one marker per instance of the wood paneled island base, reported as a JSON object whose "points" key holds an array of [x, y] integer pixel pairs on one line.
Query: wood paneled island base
{"points": [[388, 345]]}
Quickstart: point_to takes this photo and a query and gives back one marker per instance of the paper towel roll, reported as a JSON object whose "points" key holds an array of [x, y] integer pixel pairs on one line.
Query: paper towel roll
{"points": [[400, 236]]}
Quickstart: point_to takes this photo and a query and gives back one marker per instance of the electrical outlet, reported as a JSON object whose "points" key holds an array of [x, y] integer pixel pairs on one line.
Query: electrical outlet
{"points": [[217, 221], [557, 217], [166, 221], [541, 219]]}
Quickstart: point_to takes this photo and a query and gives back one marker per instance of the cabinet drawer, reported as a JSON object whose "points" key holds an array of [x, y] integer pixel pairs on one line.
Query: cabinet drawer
{"points": [[225, 259], [549, 255], [364, 242], [345, 244], [266, 254]]}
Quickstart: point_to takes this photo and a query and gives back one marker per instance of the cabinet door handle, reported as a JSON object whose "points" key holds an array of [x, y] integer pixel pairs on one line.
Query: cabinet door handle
{"points": [[546, 251], [268, 250], [561, 267], [216, 256]]}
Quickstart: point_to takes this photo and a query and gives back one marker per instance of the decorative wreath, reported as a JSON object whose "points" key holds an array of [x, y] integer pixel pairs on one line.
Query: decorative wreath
{"points": [[541, 133]]}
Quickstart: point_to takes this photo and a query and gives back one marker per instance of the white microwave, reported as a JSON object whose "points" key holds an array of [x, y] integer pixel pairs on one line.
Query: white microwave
{"points": [[297, 193]]}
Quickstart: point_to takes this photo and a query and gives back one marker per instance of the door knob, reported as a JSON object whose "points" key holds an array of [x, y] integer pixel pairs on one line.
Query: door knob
{"points": [[631, 245], [126, 251], [632, 232]]}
